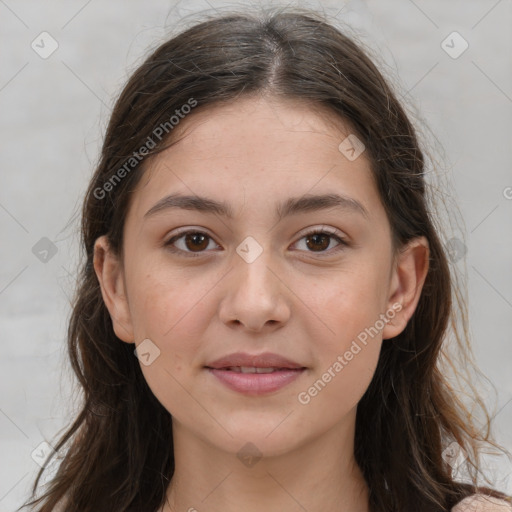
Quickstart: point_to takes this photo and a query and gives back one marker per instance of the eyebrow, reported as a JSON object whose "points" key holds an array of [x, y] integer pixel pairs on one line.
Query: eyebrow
{"points": [[291, 206]]}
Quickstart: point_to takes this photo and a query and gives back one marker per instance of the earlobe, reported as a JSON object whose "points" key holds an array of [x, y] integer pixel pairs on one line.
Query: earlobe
{"points": [[109, 272], [406, 285]]}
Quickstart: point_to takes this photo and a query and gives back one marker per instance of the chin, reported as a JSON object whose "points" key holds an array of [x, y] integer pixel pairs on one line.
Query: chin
{"points": [[269, 437]]}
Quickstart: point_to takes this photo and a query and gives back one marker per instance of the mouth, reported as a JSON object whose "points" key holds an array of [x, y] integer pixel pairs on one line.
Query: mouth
{"points": [[255, 374], [252, 369], [246, 361]]}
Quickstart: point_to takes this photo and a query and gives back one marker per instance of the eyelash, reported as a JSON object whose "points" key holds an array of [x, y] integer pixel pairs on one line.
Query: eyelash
{"points": [[342, 243]]}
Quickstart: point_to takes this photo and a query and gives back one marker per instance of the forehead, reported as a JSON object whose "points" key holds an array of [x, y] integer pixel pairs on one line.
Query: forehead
{"points": [[258, 122], [259, 151]]}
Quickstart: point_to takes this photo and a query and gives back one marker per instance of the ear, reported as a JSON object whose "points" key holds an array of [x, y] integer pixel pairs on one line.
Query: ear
{"points": [[110, 273], [406, 283]]}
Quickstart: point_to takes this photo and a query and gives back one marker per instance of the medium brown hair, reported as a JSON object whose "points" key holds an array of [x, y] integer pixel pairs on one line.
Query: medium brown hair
{"points": [[118, 450]]}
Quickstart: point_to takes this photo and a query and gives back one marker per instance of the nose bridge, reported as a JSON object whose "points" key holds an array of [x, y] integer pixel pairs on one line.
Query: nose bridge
{"points": [[252, 266], [254, 294]]}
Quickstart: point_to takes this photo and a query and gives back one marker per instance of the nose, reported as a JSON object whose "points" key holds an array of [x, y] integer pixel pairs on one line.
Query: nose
{"points": [[254, 296]]}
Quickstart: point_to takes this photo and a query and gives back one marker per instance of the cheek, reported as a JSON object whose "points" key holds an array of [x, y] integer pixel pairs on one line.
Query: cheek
{"points": [[350, 302], [346, 358], [172, 311], [168, 307], [351, 307], [337, 389]]}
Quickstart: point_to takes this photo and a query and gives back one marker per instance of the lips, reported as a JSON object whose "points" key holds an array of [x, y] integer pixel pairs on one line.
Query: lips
{"points": [[250, 369], [243, 360], [255, 374]]}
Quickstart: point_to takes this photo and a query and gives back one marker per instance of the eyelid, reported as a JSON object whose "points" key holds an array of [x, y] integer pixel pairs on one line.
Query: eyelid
{"points": [[320, 229]]}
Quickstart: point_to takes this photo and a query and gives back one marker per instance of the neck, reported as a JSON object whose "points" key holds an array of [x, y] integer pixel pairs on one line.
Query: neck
{"points": [[320, 475]]}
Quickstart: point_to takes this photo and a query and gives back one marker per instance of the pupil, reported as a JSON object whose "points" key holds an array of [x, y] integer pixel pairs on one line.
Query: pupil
{"points": [[315, 237], [194, 237]]}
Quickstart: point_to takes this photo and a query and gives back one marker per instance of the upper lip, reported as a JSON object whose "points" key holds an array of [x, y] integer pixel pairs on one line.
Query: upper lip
{"points": [[266, 360]]}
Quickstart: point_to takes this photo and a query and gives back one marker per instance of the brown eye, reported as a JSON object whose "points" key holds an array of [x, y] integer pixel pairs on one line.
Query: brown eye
{"points": [[196, 241], [189, 243], [318, 241]]}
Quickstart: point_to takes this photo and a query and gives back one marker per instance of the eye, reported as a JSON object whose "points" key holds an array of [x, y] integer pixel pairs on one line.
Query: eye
{"points": [[319, 240], [194, 242]]}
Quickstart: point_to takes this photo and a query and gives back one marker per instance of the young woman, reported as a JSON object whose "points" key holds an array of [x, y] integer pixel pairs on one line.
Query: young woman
{"points": [[264, 299]]}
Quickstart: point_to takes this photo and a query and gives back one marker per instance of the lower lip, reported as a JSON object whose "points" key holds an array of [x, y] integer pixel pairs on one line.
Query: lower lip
{"points": [[256, 383]]}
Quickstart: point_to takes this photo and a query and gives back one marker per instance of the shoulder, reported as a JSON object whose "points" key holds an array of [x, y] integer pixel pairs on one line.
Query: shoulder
{"points": [[482, 503]]}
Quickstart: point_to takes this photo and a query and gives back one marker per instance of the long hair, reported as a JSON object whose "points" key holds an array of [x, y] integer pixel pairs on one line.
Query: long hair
{"points": [[118, 452]]}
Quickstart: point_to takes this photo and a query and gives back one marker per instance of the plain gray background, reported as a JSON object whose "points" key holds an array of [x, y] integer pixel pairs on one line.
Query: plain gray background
{"points": [[53, 113]]}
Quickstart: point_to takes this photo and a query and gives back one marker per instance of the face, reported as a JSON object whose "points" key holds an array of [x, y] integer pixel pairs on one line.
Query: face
{"points": [[274, 271]]}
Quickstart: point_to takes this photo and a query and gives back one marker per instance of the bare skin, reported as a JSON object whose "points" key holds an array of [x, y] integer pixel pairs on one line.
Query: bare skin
{"points": [[304, 299]]}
